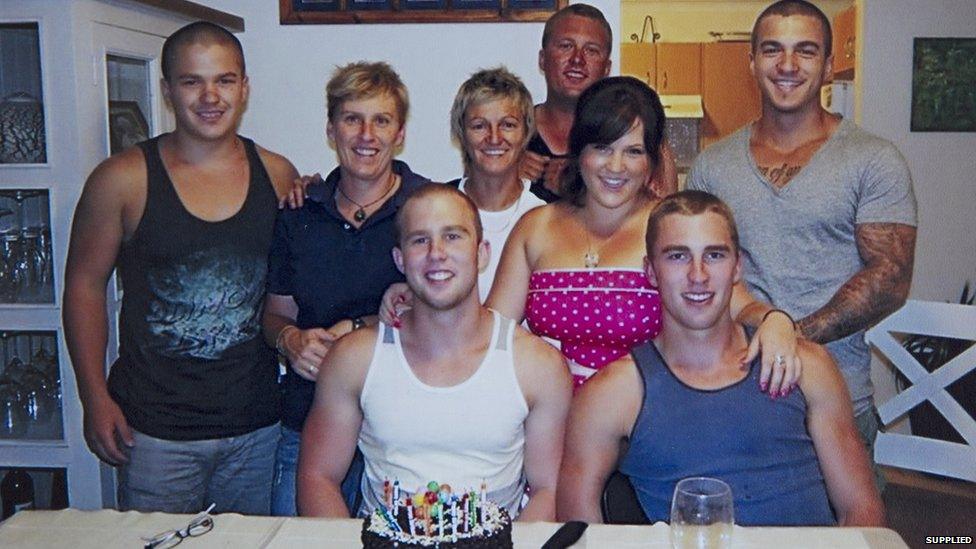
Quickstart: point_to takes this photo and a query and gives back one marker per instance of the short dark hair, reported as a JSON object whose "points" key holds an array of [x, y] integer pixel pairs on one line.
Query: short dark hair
{"points": [[200, 32], [431, 189], [688, 202], [579, 10], [788, 8], [605, 112]]}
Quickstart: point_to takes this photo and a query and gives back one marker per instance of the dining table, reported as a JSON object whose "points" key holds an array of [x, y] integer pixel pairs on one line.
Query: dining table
{"points": [[108, 529]]}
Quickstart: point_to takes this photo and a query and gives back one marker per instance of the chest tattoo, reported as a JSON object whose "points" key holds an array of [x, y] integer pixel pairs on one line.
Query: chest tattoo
{"points": [[780, 175]]}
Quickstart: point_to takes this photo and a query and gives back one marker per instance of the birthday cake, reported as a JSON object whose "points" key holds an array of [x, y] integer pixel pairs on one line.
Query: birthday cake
{"points": [[435, 516]]}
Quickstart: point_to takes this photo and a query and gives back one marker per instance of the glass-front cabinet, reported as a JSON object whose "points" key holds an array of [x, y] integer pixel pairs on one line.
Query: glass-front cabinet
{"points": [[78, 82]]}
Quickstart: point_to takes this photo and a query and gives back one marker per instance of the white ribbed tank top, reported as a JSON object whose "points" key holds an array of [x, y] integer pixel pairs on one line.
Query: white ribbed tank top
{"points": [[460, 435]]}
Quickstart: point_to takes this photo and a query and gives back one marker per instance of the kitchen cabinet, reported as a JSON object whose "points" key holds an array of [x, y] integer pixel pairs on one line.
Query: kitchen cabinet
{"points": [[669, 68], [640, 61], [845, 43], [678, 68], [718, 71], [729, 92]]}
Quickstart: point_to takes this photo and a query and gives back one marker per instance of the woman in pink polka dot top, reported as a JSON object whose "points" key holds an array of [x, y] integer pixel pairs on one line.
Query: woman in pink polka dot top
{"points": [[574, 269]]}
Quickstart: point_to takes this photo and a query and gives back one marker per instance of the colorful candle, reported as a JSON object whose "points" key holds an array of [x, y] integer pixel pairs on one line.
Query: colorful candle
{"points": [[410, 520], [454, 520], [440, 519], [389, 520], [482, 500], [472, 509]]}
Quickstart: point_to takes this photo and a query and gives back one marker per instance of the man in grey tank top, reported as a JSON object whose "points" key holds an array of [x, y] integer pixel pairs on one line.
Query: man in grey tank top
{"points": [[189, 414], [826, 210], [683, 406], [456, 394]]}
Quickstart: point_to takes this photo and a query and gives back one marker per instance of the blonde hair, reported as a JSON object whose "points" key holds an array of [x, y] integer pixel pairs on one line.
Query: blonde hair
{"points": [[491, 85], [364, 80]]}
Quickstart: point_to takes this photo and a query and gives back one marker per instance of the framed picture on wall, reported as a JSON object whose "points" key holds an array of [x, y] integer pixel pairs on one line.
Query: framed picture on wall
{"points": [[532, 4], [369, 4], [943, 80], [424, 4], [337, 12], [126, 125]]}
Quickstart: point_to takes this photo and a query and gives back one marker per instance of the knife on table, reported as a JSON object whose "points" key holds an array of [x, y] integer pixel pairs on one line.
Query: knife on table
{"points": [[566, 535]]}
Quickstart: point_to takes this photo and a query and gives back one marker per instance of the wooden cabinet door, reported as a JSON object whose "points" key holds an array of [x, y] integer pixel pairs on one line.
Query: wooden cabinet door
{"points": [[678, 68], [729, 92], [639, 61], [844, 44]]}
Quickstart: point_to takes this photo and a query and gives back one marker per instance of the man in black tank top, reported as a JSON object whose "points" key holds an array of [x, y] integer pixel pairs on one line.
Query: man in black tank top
{"points": [[576, 45], [684, 404], [189, 413]]}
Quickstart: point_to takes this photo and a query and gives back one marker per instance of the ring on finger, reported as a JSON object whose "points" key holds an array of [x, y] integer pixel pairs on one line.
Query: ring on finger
{"points": [[780, 360]]}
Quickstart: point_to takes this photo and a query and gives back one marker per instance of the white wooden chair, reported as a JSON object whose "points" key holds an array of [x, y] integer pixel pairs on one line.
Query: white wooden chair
{"points": [[911, 451]]}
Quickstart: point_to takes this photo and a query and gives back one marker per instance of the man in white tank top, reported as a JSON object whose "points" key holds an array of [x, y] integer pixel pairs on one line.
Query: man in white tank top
{"points": [[457, 394]]}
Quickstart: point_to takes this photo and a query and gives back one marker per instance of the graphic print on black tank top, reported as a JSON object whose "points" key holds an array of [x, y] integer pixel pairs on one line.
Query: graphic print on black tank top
{"points": [[205, 305], [194, 288]]}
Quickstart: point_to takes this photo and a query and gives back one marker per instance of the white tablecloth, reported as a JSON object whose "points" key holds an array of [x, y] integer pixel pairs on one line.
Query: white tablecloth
{"points": [[110, 529]]}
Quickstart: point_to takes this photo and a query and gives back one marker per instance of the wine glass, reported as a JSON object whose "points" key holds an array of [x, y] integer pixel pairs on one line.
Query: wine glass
{"points": [[701, 514]]}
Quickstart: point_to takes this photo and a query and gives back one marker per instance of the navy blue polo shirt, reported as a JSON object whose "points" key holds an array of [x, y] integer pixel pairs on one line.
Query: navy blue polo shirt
{"points": [[333, 270]]}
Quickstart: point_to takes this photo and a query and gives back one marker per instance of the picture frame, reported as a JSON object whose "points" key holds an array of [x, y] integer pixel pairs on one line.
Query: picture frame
{"points": [[332, 12], [126, 125], [943, 77]]}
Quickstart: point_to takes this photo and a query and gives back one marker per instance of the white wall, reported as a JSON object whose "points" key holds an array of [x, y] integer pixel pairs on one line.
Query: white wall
{"points": [[943, 164], [288, 66]]}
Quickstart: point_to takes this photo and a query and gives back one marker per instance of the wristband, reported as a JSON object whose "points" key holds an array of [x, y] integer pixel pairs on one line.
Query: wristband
{"points": [[771, 311], [280, 340]]}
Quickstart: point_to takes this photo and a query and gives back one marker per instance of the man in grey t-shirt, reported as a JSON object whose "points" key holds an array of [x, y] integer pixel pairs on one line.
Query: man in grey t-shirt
{"points": [[826, 211]]}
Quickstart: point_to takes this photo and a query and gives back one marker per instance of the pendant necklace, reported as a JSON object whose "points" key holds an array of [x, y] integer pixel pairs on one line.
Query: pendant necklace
{"points": [[591, 259], [360, 214]]}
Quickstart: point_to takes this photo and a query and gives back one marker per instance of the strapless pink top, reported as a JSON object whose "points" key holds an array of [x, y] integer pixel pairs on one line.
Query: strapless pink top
{"points": [[597, 315]]}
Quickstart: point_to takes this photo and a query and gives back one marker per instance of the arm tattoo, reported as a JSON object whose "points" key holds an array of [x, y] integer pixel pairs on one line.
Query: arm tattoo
{"points": [[877, 290]]}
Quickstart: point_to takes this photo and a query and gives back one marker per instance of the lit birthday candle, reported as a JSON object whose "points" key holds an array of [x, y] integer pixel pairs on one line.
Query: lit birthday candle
{"points": [[410, 520], [473, 508], [484, 498], [430, 499], [454, 519], [396, 496], [390, 520]]}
